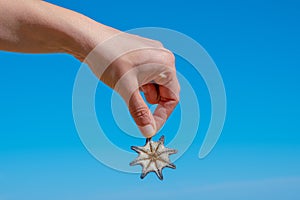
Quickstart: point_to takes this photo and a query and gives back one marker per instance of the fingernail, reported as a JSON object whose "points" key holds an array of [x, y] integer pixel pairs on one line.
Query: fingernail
{"points": [[148, 130]]}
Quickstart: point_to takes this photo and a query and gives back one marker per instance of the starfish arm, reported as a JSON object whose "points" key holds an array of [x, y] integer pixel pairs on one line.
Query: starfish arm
{"points": [[144, 174], [162, 139], [147, 168], [138, 161], [172, 151], [159, 174], [168, 151], [138, 149], [165, 163], [171, 165], [133, 163]]}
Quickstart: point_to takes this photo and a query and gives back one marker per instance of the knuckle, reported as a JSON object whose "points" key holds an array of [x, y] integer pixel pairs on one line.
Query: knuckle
{"points": [[174, 101], [155, 43], [172, 57], [169, 58], [158, 43]]}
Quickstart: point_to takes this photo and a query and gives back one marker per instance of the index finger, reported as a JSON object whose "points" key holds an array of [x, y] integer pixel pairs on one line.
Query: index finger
{"points": [[169, 98]]}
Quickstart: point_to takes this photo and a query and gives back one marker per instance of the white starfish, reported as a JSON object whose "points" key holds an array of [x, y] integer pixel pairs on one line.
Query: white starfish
{"points": [[153, 157]]}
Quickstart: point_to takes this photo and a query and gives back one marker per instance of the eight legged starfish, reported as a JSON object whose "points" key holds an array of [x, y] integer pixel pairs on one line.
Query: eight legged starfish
{"points": [[153, 157]]}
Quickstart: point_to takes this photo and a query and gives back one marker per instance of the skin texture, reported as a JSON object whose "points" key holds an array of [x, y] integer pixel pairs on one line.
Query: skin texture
{"points": [[127, 63]]}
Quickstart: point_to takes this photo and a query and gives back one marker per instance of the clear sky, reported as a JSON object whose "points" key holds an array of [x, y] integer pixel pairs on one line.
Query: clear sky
{"points": [[255, 45]]}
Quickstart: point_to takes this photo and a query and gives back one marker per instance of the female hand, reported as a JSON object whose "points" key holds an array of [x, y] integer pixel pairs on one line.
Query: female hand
{"points": [[129, 63]]}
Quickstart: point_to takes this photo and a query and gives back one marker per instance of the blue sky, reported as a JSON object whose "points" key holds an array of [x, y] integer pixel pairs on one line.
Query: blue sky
{"points": [[256, 48]]}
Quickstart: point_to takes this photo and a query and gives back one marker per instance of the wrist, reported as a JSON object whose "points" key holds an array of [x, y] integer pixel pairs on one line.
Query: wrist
{"points": [[85, 35]]}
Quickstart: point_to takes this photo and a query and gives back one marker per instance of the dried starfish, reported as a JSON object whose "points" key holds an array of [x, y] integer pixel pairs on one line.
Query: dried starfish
{"points": [[153, 157]]}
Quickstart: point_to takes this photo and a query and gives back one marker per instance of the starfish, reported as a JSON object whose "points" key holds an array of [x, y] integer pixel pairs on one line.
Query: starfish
{"points": [[153, 157]]}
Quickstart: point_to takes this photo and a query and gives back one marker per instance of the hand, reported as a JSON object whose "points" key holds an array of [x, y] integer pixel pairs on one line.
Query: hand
{"points": [[129, 63]]}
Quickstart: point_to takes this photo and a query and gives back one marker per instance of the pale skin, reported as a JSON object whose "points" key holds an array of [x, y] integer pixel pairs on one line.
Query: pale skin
{"points": [[34, 26]]}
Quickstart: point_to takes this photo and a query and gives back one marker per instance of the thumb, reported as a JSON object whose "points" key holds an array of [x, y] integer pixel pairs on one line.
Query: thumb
{"points": [[142, 115]]}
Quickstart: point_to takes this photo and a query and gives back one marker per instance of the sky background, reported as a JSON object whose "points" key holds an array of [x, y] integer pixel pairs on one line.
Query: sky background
{"points": [[255, 45]]}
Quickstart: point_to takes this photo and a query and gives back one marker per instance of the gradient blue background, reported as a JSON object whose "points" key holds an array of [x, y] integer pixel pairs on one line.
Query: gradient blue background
{"points": [[255, 45]]}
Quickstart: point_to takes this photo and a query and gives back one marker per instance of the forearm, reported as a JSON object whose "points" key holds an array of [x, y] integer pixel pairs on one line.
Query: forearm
{"points": [[33, 26]]}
